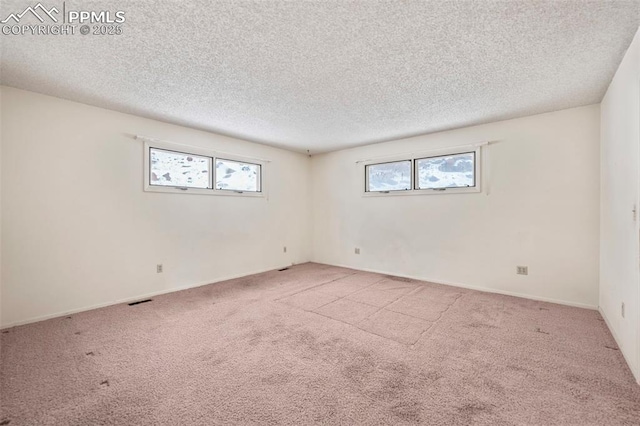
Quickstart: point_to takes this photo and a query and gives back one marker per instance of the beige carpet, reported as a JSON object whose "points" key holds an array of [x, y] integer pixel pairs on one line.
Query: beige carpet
{"points": [[318, 344]]}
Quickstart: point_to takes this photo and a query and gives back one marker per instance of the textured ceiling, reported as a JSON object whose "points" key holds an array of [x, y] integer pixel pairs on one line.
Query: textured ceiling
{"points": [[326, 75]]}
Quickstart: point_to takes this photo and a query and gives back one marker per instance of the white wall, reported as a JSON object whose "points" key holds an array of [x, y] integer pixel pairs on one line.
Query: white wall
{"points": [[0, 207], [78, 231], [542, 210], [619, 273]]}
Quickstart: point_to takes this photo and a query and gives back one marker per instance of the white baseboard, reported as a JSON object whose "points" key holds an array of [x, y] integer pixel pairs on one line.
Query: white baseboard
{"points": [[199, 284], [636, 374], [472, 287], [134, 298]]}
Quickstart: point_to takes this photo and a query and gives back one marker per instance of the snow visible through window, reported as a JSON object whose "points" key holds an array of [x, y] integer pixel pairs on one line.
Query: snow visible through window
{"points": [[450, 171], [169, 168], [237, 176], [389, 176]]}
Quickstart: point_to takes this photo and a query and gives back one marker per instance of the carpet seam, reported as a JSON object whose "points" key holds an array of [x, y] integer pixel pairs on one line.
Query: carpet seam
{"points": [[438, 320], [314, 286]]}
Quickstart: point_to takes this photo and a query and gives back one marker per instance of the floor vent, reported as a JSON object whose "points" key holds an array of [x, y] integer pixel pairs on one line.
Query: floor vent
{"points": [[283, 269], [401, 279], [139, 302]]}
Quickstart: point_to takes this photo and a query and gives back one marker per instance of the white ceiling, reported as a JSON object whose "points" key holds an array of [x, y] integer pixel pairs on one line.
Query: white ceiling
{"points": [[327, 75]]}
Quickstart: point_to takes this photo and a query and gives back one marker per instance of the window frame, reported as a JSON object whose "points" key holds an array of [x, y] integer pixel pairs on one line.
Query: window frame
{"points": [[414, 157], [457, 189], [211, 171], [259, 178], [201, 152], [411, 176]]}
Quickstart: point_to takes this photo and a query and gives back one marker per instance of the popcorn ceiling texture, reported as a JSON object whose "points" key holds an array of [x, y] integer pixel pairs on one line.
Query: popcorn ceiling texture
{"points": [[328, 75]]}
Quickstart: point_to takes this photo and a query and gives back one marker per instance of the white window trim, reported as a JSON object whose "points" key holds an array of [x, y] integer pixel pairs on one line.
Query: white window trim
{"points": [[187, 149], [366, 177], [237, 192], [477, 170], [413, 157]]}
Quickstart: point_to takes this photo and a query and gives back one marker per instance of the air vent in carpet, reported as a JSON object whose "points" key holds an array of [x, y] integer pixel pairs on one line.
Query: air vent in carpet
{"points": [[139, 302], [283, 269], [401, 279]]}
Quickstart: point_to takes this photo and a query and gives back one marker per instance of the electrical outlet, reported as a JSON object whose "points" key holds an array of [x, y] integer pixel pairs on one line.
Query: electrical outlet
{"points": [[159, 268], [522, 270], [357, 250], [622, 309], [284, 249]]}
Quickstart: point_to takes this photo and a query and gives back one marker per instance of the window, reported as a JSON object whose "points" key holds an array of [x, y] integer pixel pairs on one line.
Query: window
{"points": [[446, 171], [383, 177], [177, 168], [236, 176]]}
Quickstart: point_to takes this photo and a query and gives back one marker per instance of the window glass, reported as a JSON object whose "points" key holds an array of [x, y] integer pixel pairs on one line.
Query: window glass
{"points": [[171, 168], [237, 176], [447, 171], [394, 176]]}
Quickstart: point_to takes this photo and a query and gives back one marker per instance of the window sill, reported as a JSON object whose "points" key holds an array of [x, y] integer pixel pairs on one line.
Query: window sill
{"points": [[201, 191], [423, 192]]}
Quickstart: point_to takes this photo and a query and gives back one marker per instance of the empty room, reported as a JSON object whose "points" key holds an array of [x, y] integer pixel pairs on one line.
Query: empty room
{"points": [[320, 212]]}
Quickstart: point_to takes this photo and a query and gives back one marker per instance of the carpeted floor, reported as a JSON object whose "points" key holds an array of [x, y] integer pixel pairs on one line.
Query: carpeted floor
{"points": [[319, 344]]}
